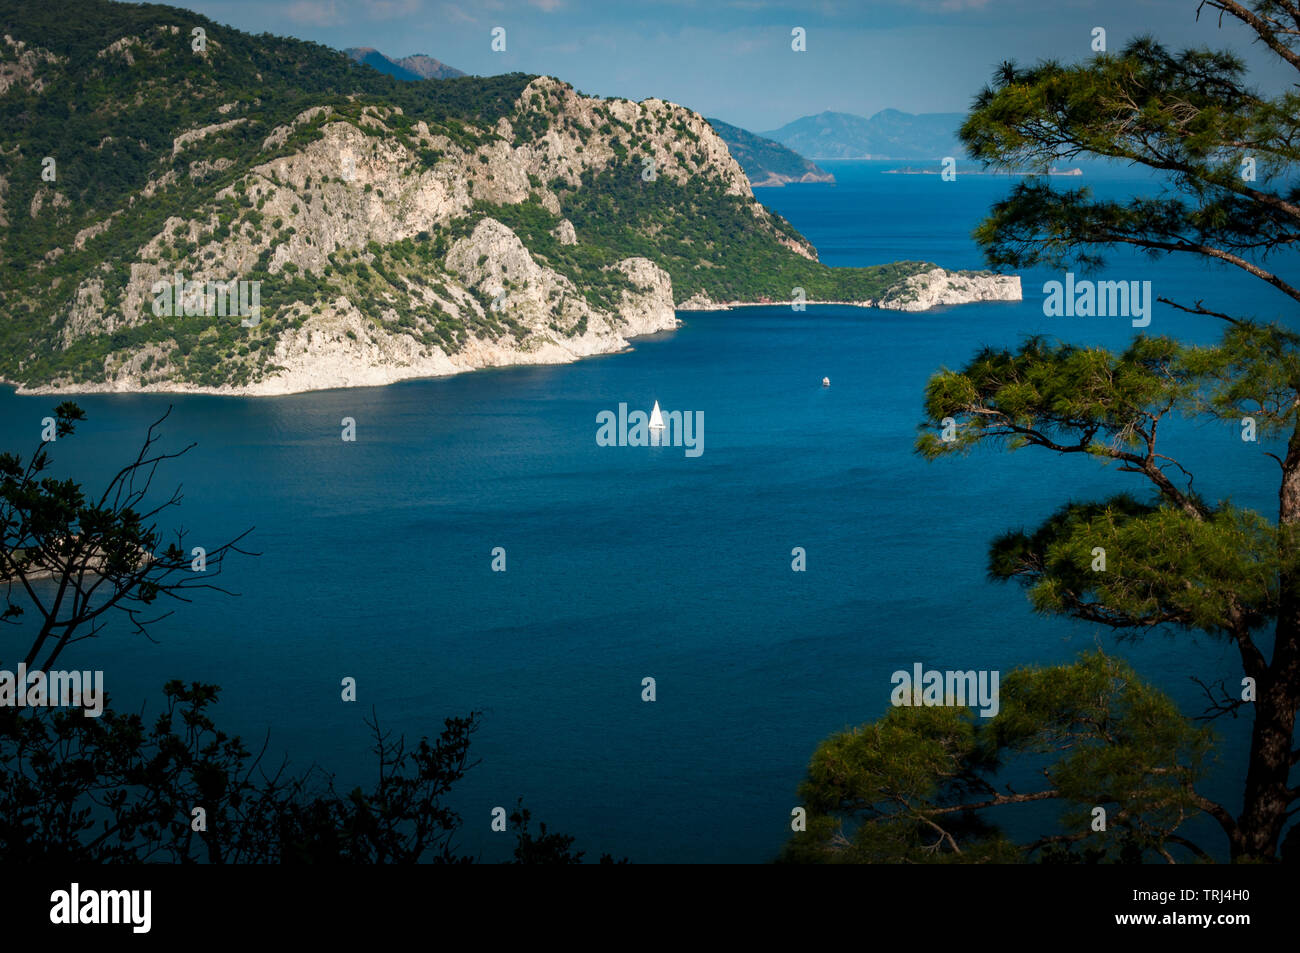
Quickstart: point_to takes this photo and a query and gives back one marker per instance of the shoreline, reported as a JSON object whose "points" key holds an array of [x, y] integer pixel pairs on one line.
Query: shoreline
{"points": [[186, 389], [731, 305], [268, 389]]}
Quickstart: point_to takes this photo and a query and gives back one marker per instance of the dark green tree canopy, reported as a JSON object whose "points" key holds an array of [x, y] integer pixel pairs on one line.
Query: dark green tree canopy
{"points": [[1175, 556], [1189, 115], [919, 784]]}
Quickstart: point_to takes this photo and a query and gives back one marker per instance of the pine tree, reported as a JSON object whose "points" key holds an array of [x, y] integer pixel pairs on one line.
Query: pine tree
{"points": [[1176, 561]]}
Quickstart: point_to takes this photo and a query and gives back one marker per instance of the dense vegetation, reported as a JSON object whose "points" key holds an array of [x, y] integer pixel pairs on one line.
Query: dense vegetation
{"points": [[110, 124], [88, 99], [105, 89], [709, 242]]}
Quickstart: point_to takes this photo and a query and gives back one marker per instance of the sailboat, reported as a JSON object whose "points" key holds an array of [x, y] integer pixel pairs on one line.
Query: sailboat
{"points": [[656, 418]]}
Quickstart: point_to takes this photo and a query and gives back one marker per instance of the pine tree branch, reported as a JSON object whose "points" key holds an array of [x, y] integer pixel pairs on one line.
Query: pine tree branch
{"points": [[1265, 28], [1194, 848], [1200, 309], [1199, 248], [1215, 810], [993, 802]]}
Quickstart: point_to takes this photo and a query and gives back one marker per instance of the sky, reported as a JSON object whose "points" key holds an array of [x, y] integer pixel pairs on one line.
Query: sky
{"points": [[732, 59]]}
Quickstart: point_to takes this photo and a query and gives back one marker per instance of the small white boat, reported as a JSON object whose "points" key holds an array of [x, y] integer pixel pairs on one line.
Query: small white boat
{"points": [[656, 418], [826, 382]]}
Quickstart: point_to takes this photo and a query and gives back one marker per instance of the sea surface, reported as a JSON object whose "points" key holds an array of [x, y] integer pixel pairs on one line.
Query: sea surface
{"points": [[628, 562]]}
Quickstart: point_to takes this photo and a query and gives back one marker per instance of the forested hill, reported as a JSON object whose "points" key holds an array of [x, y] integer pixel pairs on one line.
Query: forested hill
{"points": [[393, 229], [415, 67], [767, 163]]}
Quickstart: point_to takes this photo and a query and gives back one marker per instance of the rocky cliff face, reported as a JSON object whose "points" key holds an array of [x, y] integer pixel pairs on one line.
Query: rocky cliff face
{"points": [[931, 288], [263, 217], [356, 188], [937, 287]]}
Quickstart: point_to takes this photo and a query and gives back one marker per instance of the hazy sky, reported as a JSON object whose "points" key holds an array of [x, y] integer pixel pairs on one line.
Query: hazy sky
{"points": [[732, 59]]}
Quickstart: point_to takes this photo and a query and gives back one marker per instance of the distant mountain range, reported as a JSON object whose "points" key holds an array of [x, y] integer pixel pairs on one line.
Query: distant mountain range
{"points": [[417, 66], [767, 163], [889, 134], [777, 157]]}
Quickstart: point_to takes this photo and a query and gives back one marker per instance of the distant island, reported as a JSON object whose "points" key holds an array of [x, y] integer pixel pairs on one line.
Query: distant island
{"points": [[913, 170]]}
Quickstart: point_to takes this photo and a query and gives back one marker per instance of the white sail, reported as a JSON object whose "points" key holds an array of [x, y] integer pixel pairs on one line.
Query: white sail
{"points": [[656, 418]]}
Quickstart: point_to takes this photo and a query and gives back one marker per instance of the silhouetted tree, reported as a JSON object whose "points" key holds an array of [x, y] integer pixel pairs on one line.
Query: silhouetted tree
{"points": [[120, 788]]}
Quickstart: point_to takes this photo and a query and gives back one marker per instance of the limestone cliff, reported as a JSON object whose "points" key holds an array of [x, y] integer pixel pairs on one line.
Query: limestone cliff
{"points": [[937, 287], [261, 216]]}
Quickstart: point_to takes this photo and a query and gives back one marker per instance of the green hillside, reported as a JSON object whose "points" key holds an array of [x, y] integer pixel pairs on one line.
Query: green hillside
{"points": [[766, 161], [167, 156]]}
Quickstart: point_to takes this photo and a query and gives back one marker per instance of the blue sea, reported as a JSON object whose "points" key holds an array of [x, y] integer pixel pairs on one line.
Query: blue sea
{"points": [[625, 562]]}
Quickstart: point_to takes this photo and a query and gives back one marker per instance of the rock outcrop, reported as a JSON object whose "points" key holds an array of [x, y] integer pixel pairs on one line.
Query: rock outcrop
{"points": [[937, 287], [933, 288], [511, 221]]}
